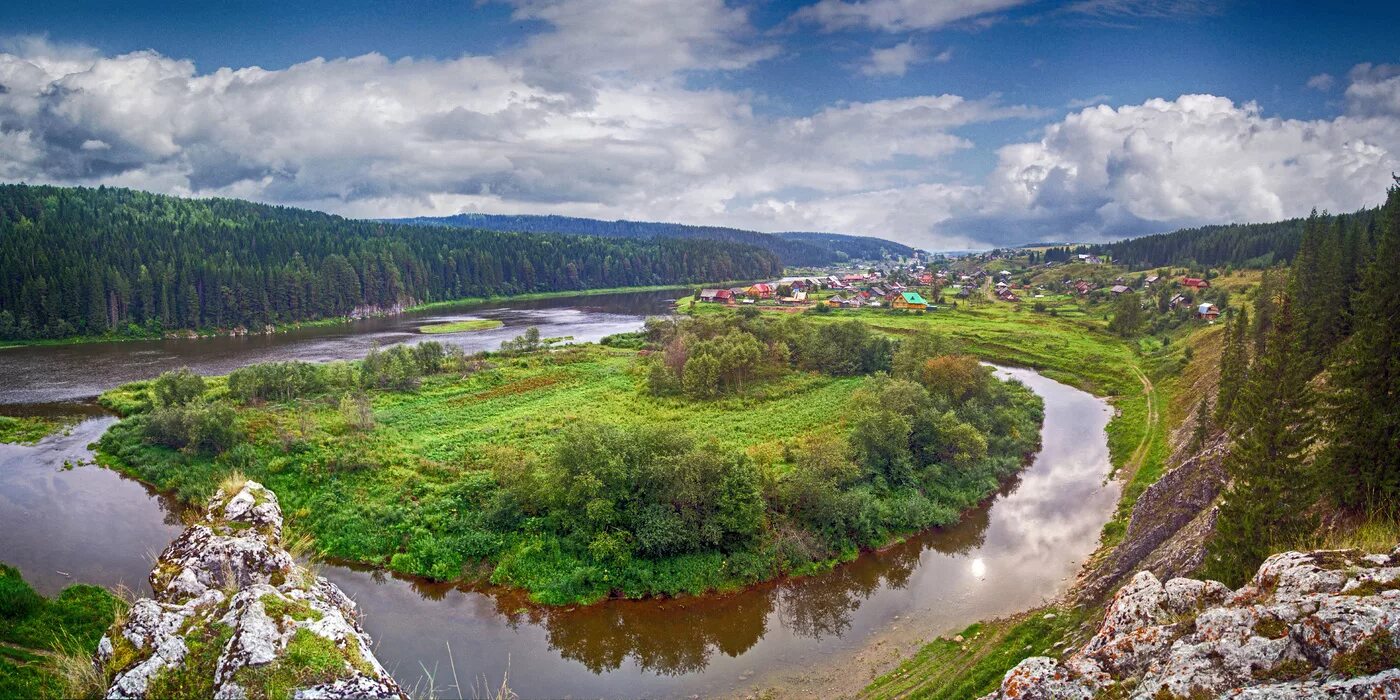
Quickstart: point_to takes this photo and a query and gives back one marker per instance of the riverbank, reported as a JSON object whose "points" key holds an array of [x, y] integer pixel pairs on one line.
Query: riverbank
{"points": [[708, 645], [281, 328]]}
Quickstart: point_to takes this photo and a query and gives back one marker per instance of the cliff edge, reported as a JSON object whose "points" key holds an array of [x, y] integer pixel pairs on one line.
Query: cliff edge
{"points": [[234, 616]]}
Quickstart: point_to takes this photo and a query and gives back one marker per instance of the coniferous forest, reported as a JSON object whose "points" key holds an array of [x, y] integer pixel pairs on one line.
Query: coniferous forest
{"points": [[1310, 390], [795, 248], [81, 261], [1238, 245]]}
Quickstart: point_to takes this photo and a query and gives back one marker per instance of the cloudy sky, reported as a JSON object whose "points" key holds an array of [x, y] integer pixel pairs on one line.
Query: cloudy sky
{"points": [[940, 123]]}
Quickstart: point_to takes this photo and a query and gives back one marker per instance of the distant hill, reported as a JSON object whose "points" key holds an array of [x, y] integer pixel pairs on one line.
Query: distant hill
{"points": [[794, 248]]}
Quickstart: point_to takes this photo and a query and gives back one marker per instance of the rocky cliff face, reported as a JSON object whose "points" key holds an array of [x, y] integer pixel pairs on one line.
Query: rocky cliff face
{"points": [[1319, 624], [234, 616]]}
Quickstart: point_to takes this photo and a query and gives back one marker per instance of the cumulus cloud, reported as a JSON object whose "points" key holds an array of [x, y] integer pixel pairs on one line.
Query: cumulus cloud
{"points": [[370, 136], [1374, 90], [898, 15], [894, 60], [1106, 172], [373, 137]]}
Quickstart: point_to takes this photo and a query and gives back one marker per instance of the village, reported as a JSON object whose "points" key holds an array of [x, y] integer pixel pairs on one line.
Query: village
{"points": [[926, 284]]}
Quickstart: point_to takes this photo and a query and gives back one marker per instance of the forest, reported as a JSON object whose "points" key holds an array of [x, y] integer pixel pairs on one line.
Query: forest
{"points": [[1309, 392], [572, 473], [120, 262], [794, 248], [1236, 245]]}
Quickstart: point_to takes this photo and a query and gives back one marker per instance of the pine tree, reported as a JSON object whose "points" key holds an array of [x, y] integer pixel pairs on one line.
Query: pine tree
{"points": [[1363, 405], [1265, 506], [1234, 368], [1202, 430]]}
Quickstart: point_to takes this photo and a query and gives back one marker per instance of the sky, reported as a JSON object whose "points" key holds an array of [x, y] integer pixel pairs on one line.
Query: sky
{"points": [[941, 124]]}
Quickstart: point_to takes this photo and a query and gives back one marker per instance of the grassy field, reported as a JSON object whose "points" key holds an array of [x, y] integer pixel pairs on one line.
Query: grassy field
{"points": [[475, 324], [972, 663], [46, 645], [398, 495]]}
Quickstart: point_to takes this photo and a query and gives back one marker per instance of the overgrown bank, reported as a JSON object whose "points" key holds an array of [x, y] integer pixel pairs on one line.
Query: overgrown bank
{"points": [[714, 455], [46, 644]]}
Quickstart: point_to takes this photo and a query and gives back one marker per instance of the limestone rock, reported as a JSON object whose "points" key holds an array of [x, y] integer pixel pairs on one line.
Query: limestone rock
{"points": [[1309, 624], [231, 611]]}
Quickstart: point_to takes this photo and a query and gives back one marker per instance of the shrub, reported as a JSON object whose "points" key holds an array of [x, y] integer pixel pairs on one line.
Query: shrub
{"points": [[277, 381], [177, 387], [209, 429]]}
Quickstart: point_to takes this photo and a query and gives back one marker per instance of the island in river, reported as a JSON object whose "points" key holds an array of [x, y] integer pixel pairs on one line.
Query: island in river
{"points": [[773, 634], [701, 455]]}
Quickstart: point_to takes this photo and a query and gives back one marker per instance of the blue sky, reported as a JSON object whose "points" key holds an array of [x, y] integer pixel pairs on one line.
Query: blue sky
{"points": [[937, 123]]}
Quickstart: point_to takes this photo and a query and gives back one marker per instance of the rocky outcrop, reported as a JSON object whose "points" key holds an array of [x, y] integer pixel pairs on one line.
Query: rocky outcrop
{"points": [[1170, 523], [235, 617], [1318, 624]]}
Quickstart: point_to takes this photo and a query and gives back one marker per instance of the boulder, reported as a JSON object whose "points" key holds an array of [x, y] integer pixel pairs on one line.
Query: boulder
{"points": [[1309, 624], [234, 616]]}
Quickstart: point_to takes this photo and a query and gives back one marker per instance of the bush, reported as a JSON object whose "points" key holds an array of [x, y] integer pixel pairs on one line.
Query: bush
{"points": [[209, 429], [277, 381], [177, 387], [396, 369]]}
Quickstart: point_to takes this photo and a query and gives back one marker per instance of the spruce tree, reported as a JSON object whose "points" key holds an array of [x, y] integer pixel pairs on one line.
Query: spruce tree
{"points": [[1266, 503], [1363, 404], [1234, 368]]}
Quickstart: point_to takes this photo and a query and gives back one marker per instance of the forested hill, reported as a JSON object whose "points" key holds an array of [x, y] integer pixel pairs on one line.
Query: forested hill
{"points": [[794, 248], [94, 261], [1241, 245]]}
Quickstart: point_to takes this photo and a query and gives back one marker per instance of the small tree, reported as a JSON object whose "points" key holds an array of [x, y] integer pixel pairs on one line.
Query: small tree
{"points": [[357, 412], [1127, 315], [177, 387]]}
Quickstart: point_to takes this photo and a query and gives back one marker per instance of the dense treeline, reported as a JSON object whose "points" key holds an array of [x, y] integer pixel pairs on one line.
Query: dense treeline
{"points": [[1310, 391], [795, 248], [1238, 245], [117, 261]]}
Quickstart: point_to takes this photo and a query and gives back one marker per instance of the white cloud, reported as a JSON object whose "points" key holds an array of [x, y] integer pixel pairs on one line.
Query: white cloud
{"points": [[898, 15], [368, 136], [894, 60], [1321, 82], [1374, 90], [1196, 159], [647, 37]]}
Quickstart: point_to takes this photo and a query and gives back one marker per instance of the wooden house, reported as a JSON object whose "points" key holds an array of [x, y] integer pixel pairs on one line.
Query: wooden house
{"points": [[910, 300]]}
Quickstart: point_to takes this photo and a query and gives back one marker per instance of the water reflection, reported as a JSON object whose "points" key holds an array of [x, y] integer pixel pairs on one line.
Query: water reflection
{"points": [[1010, 554], [63, 521], [41, 374]]}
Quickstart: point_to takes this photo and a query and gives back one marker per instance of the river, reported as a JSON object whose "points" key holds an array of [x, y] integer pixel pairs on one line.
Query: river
{"points": [[1016, 551]]}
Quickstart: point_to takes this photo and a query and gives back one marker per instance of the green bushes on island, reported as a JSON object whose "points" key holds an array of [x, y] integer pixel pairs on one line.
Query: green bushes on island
{"points": [[577, 474], [475, 324]]}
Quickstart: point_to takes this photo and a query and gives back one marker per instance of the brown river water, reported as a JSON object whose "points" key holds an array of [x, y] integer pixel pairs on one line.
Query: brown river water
{"points": [[62, 525]]}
